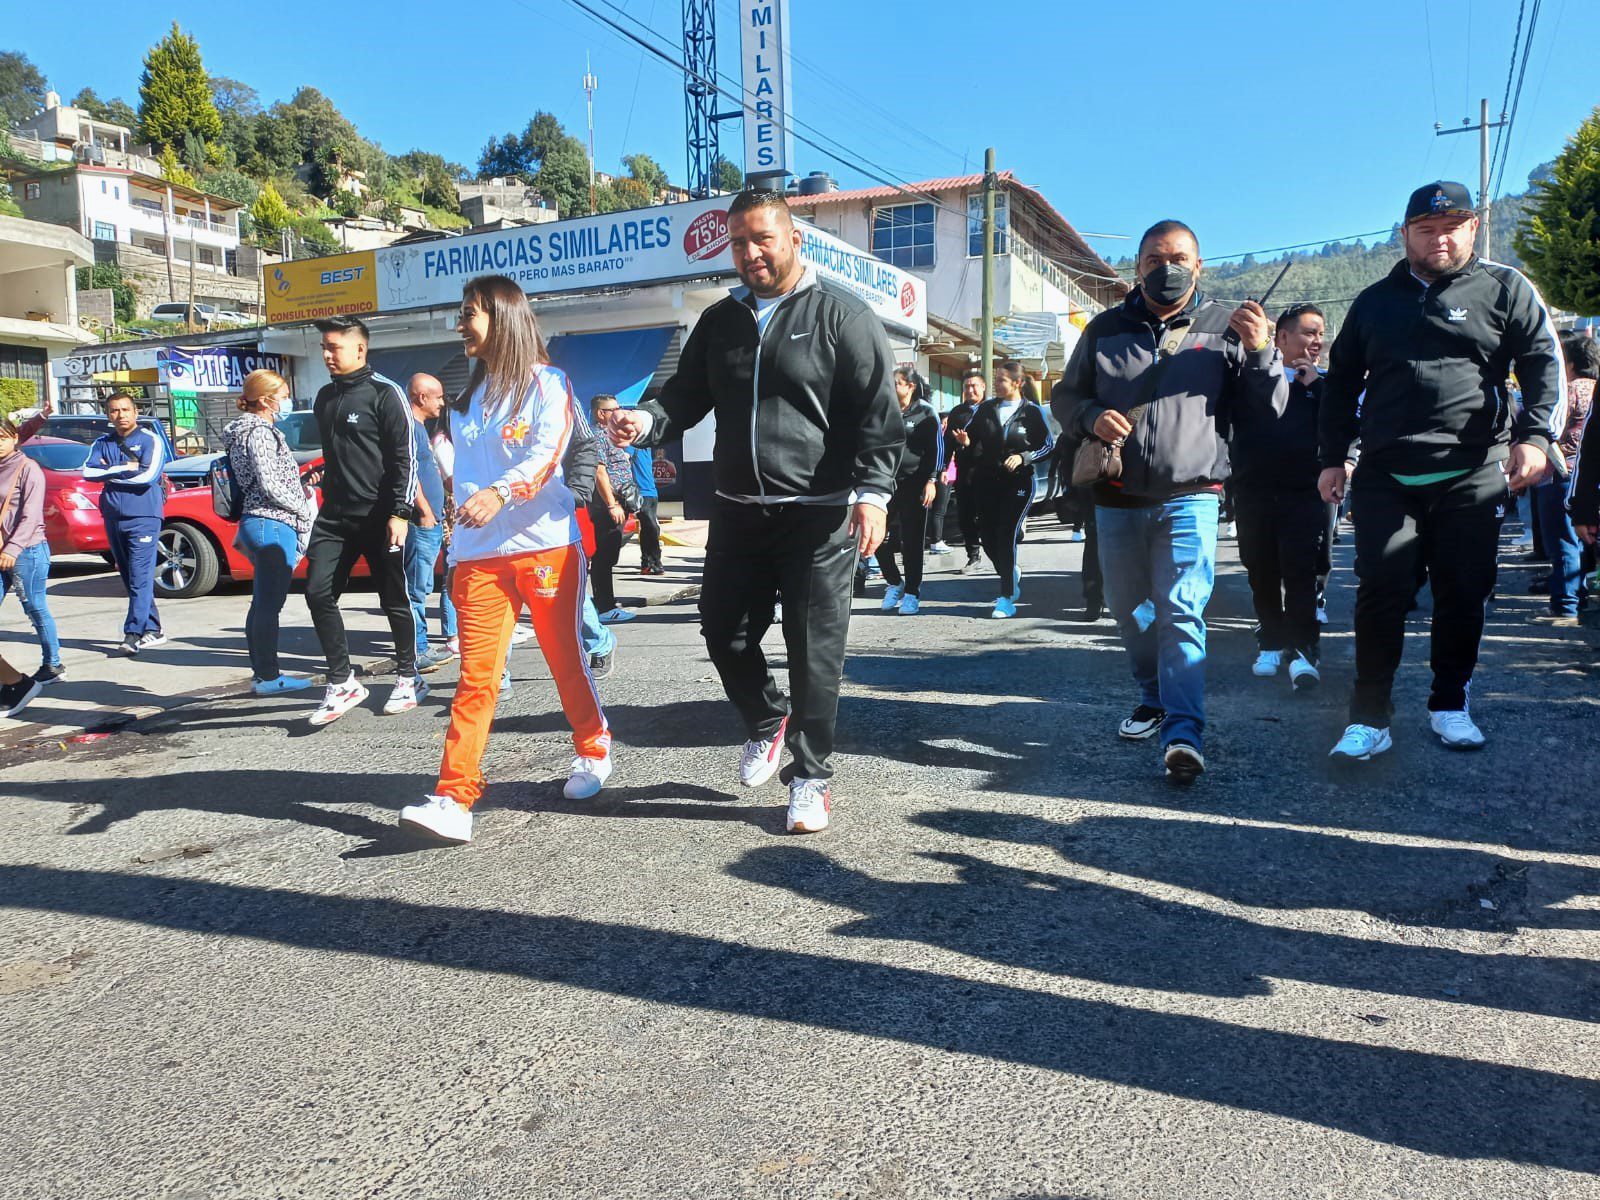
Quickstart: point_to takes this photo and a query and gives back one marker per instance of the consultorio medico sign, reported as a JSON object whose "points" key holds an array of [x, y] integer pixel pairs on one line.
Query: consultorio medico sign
{"points": [[633, 248]]}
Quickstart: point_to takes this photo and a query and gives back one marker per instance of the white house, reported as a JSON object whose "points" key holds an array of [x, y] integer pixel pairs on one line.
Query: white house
{"points": [[38, 298]]}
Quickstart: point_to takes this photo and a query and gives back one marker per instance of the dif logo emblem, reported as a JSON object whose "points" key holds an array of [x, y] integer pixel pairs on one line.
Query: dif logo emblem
{"points": [[707, 235]]}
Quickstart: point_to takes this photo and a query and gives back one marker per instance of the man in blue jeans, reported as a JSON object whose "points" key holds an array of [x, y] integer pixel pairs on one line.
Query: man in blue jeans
{"points": [[1160, 376], [425, 538]]}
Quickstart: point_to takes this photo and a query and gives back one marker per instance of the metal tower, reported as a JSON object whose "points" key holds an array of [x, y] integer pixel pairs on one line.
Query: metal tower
{"points": [[700, 93]]}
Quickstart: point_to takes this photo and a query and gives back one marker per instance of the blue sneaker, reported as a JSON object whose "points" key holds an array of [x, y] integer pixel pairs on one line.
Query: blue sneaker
{"points": [[283, 683]]}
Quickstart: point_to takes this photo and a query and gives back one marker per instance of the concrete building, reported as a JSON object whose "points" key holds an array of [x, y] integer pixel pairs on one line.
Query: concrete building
{"points": [[495, 202], [39, 298], [62, 133]]}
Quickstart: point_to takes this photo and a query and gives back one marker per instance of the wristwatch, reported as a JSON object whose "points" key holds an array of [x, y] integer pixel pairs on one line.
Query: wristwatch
{"points": [[504, 490]]}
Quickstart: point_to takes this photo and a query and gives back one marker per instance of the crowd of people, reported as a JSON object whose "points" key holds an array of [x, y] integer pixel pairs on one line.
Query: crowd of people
{"points": [[1447, 392]]}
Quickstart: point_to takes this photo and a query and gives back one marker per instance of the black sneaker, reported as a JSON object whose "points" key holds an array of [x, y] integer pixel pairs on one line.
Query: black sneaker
{"points": [[600, 664], [49, 673], [1091, 613], [1184, 762], [1144, 723], [14, 697], [129, 645]]}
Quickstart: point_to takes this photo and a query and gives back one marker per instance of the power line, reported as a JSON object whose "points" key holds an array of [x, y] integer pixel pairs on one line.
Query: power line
{"points": [[1511, 70], [1516, 102], [1433, 83]]}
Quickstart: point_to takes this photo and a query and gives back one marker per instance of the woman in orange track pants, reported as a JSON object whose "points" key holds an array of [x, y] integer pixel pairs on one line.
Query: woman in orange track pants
{"points": [[516, 543]]}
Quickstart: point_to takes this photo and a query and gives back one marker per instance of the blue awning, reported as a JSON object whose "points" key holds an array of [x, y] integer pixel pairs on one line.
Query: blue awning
{"points": [[622, 362]]}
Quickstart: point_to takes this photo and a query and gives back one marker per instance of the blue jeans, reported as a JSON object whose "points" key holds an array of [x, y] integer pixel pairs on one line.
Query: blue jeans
{"points": [[593, 636], [1159, 564], [1561, 546], [27, 579], [273, 551], [422, 554], [447, 610]]}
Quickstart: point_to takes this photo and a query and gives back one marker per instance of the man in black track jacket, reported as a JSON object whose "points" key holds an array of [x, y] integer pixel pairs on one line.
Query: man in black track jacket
{"points": [[369, 485], [809, 436], [1432, 345]]}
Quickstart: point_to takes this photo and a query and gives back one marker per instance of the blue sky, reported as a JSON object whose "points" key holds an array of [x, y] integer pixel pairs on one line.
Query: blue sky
{"points": [[1259, 124]]}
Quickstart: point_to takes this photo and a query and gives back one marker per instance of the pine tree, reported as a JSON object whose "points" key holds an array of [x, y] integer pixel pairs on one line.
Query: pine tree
{"points": [[1559, 238], [174, 93], [270, 214]]}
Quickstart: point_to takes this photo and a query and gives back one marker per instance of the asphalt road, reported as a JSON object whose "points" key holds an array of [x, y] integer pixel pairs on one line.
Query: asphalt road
{"points": [[1018, 965]]}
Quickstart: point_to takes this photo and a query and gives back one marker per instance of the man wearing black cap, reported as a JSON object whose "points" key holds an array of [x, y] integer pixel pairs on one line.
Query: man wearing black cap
{"points": [[1433, 345]]}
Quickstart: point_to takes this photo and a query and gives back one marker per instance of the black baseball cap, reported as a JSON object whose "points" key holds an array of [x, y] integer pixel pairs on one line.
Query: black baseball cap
{"points": [[1439, 199]]}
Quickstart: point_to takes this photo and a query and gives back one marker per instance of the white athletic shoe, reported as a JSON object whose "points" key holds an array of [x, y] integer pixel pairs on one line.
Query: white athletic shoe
{"points": [[891, 598], [1303, 673], [589, 775], [440, 816], [152, 637], [405, 696], [1228, 529], [1075, 536], [809, 805], [1267, 663], [453, 644], [910, 606], [1004, 607], [761, 759], [1361, 743], [939, 548], [339, 699], [1456, 730]]}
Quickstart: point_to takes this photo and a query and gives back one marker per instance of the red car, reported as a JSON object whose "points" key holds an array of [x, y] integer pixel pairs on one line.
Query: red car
{"points": [[72, 521]]}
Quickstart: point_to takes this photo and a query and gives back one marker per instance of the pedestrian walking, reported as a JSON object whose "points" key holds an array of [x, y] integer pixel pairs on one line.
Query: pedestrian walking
{"points": [[913, 494], [127, 463], [642, 459], [1282, 519], [24, 551], [516, 545], [275, 519], [1432, 345], [974, 390], [615, 496], [1568, 595], [425, 536], [1007, 436], [808, 438], [1158, 377], [369, 485]]}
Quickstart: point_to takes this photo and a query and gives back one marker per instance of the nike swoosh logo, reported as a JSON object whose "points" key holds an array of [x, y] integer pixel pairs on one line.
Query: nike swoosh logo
{"points": [[794, 337]]}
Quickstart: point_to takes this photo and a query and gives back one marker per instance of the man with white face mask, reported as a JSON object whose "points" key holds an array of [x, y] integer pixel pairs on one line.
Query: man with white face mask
{"points": [[1432, 345]]}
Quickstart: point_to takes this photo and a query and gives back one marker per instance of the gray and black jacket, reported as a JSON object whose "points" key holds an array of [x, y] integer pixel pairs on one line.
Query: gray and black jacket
{"points": [[806, 410], [1178, 444], [1434, 360]]}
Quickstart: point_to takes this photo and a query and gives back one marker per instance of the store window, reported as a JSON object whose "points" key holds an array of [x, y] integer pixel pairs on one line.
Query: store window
{"points": [[902, 234], [1002, 224]]}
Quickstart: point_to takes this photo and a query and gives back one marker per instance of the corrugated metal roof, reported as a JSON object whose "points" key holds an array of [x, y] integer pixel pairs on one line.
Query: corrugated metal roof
{"points": [[879, 193]]}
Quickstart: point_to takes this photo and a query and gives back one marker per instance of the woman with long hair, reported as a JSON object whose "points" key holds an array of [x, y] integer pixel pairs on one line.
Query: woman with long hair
{"points": [[516, 543], [1008, 434], [913, 493], [275, 518], [25, 566]]}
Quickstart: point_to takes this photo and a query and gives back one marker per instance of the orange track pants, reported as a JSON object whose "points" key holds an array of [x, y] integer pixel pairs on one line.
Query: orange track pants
{"points": [[488, 594]]}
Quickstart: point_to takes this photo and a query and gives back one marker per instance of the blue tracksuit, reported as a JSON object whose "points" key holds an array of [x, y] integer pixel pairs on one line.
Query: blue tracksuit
{"points": [[132, 499]]}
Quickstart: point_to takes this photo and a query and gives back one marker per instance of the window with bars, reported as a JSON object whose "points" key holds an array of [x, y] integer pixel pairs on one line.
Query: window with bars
{"points": [[902, 234], [104, 231], [24, 362]]}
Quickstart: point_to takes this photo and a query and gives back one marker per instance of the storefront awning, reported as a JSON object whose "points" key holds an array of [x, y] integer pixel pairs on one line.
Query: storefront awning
{"points": [[621, 362]]}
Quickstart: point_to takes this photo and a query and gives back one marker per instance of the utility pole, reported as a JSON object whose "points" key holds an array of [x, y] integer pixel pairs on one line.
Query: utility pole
{"points": [[166, 237], [990, 185], [589, 85], [1483, 126], [191, 277]]}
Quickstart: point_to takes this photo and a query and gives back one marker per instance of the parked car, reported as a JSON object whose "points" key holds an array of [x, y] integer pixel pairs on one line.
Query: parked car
{"points": [[204, 314], [86, 427], [236, 318], [72, 523]]}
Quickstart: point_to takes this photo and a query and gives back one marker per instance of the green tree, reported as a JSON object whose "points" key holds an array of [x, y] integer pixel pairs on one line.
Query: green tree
{"points": [[174, 171], [633, 193], [563, 178], [174, 94], [116, 112], [506, 158], [314, 237], [231, 185], [234, 98], [648, 171], [22, 87], [1559, 239], [109, 275], [725, 176], [270, 214]]}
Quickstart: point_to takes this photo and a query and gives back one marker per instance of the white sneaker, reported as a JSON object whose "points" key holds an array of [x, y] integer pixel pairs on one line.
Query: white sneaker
{"points": [[1075, 536], [760, 759], [520, 633], [589, 775], [1303, 673], [405, 696], [453, 644], [809, 805], [938, 548], [1228, 529], [1267, 663], [1456, 730], [1004, 607], [444, 818], [506, 687], [153, 637], [910, 606], [891, 598], [1361, 743], [339, 699]]}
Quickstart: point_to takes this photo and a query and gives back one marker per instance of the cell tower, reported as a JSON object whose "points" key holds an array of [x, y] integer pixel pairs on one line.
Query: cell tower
{"points": [[700, 93], [589, 85]]}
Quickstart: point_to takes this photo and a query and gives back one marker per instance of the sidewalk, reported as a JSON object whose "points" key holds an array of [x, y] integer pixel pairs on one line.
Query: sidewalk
{"points": [[205, 655]]}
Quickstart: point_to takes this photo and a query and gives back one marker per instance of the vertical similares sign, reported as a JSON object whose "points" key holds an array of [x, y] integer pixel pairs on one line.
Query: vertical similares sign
{"points": [[764, 39]]}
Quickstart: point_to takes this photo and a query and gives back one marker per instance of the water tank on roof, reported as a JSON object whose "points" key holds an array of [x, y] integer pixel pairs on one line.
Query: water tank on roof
{"points": [[817, 183]]}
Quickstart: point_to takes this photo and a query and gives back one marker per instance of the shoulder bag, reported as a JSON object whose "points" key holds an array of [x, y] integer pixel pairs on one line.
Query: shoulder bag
{"points": [[1097, 461]]}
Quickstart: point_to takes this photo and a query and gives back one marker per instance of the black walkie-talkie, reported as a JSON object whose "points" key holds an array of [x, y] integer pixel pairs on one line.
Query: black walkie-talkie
{"points": [[1232, 336]]}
